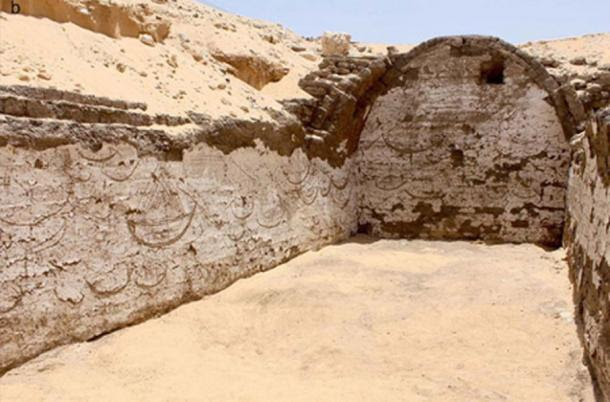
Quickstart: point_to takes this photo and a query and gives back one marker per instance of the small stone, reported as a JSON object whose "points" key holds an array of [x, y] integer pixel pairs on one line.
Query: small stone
{"points": [[24, 77], [309, 56], [271, 39], [565, 315], [335, 44], [549, 62], [147, 39], [342, 71], [298, 49], [594, 88], [605, 67], [578, 61], [44, 75], [245, 109], [222, 86], [172, 61], [183, 38], [121, 67], [578, 83], [604, 79], [583, 96], [314, 138]]}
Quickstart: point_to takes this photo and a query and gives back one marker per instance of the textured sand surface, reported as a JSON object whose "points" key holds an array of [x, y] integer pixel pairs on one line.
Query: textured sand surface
{"points": [[364, 320], [594, 48], [189, 70]]}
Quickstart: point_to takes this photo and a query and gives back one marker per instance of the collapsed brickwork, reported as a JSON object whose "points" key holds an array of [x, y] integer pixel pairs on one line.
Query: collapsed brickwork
{"points": [[110, 215], [334, 117]]}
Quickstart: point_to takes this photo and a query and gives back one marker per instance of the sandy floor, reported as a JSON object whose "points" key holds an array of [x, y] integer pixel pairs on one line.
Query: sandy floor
{"points": [[366, 320]]}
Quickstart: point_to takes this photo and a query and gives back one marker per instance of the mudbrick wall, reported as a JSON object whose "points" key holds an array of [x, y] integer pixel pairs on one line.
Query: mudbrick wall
{"points": [[464, 145], [587, 236], [110, 215], [461, 138], [105, 221], [334, 116]]}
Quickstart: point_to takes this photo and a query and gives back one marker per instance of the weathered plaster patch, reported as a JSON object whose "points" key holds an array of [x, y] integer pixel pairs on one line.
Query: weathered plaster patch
{"points": [[91, 241]]}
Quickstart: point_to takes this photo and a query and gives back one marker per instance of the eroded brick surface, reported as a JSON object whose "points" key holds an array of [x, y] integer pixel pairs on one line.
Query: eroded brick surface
{"points": [[588, 239], [464, 144]]}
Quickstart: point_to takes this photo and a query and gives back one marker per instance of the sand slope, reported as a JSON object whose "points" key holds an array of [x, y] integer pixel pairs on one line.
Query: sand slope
{"points": [[209, 61], [182, 55], [384, 320]]}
